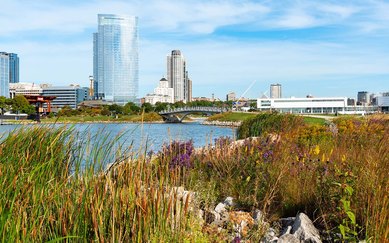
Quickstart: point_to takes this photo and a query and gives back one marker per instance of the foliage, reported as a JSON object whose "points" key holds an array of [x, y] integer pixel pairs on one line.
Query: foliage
{"points": [[53, 189], [147, 107], [265, 123], [339, 177], [178, 154], [160, 106], [131, 108], [5, 104]]}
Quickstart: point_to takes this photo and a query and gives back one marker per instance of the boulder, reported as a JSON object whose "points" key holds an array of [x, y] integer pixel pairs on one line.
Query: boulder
{"points": [[220, 208], [258, 216], [304, 230], [285, 223], [270, 236], [229, 201]]}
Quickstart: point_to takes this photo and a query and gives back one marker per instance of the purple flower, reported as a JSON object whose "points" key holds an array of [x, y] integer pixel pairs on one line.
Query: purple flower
{"points": [[178, 154], [236, 239]]}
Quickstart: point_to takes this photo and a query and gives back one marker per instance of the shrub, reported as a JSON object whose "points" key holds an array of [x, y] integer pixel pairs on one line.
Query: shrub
{"points": [[266, 123]]}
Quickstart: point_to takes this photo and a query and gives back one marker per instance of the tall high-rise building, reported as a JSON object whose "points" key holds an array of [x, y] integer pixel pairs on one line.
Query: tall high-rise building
{"points": [[115, 58], [4, 74], [363, 98], [231, 96], [275, 91], [13, 68], [177, 75]]}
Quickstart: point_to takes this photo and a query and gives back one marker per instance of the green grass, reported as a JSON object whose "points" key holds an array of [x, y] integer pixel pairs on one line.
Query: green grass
{"points": [[232, 116], [314, 120], [147, 117]]}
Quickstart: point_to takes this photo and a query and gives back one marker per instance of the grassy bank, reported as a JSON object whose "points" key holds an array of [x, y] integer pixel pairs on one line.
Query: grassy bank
{"points": [[231, 116], [55, 189], [146, 117], [243, 116]]}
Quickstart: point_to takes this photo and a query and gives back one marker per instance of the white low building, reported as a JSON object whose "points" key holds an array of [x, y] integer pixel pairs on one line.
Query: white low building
{"points": [[24, 89], [326, 105], [162, 93]]}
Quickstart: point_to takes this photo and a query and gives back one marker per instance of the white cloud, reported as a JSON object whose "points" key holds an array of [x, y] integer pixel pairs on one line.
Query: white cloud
{"points": [[216, 64]]}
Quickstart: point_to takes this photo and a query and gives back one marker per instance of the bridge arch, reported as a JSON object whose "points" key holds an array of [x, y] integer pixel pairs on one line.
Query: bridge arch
{"points": [[172, 115]]}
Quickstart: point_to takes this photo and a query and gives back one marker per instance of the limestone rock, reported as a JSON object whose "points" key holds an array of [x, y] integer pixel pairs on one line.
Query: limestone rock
{"points": [[304, 230], [288, 238], [229, 201], [221, 207], [258, 216]]}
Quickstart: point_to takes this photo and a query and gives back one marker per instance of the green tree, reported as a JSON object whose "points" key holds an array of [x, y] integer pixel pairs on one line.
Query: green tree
{"points": [[65, 111], [116, 109], [21, 104], [160, 106], [178, 104], [4, 104], [147, 107], [130, 108]]}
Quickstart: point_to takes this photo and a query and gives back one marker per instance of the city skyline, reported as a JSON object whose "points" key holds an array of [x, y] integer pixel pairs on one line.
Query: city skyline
{"points": [[310, 47]]}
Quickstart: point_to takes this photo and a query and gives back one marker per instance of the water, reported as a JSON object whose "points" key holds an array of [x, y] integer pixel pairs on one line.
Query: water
{"points": [[147, 136]]}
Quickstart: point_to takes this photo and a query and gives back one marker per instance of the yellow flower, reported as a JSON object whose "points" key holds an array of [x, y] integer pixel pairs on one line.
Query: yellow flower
{"points": [[316, 150]]}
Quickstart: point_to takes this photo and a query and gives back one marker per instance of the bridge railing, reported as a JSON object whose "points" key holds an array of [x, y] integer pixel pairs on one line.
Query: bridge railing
{"points": [[194, 109]]}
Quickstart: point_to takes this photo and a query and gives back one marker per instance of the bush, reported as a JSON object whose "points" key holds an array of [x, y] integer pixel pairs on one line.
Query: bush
{"points": [[266, 123]]}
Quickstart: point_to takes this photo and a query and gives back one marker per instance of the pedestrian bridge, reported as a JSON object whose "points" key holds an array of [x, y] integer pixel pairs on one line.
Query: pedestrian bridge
{"points": [[178, 114]]}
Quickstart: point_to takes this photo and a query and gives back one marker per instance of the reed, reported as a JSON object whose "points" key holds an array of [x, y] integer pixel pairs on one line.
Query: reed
{"points": [[55, 186]]}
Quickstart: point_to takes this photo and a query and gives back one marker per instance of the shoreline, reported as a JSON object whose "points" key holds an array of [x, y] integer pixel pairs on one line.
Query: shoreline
{"points": [[204, 122]]}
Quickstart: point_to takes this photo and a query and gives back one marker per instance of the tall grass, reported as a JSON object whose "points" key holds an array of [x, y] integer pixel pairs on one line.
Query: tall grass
{"points": [[51, 189], [295, 167], [54, 186]]}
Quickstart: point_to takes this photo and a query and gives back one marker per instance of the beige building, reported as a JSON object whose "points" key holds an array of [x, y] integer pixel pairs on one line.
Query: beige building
{"points": [[177, 76], [162, 93], [275, 91], [24, 89]]}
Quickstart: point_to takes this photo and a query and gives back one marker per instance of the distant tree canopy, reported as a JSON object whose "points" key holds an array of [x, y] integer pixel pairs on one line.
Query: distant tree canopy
{"points": [[19, 104], [131, 108]]}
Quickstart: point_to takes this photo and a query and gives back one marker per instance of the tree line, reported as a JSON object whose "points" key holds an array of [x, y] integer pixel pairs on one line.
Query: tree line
{"points": [[19, 104], [133, 109]]}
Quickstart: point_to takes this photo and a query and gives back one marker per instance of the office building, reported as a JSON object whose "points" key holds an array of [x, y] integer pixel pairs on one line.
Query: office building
{"points": [[363, 98], [326, 105], [65, 95], [275, 91], [177, 75], [231, 96], [162, 93], [189, 90], [13, 68], [115, 58], [383, 102], [24, 89], [4, 74]]}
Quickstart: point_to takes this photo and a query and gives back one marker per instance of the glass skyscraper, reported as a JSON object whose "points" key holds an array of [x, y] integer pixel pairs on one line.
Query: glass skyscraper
{"points": [[4, 74], [115, 58], [13, 68]]}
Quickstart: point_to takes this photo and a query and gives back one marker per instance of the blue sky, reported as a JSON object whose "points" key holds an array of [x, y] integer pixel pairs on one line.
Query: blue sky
{"points": [[323, 48]]}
